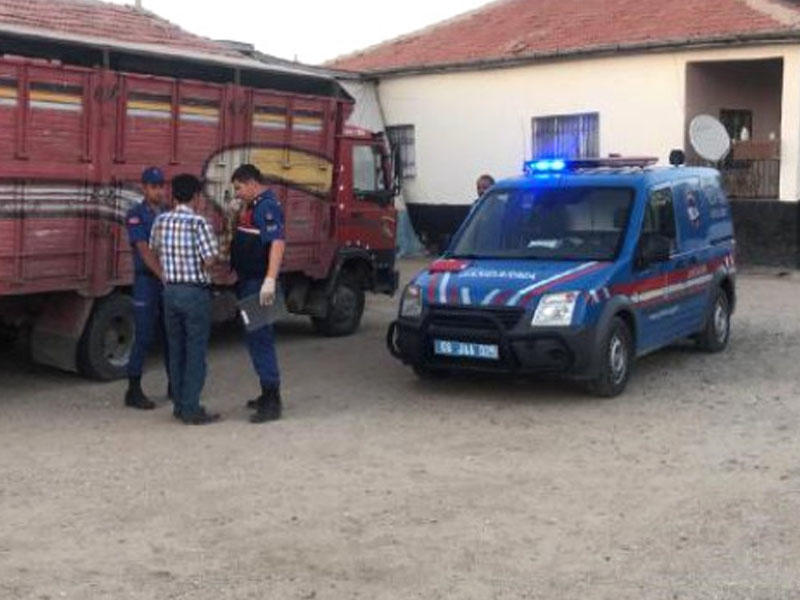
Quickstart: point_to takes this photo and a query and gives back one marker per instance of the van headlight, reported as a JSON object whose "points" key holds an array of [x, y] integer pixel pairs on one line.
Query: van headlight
{"points": [[555, 310], [411, 303]]}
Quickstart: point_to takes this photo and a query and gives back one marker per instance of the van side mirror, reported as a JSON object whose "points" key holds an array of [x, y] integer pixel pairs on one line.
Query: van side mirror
{"points": [[653, 248]]}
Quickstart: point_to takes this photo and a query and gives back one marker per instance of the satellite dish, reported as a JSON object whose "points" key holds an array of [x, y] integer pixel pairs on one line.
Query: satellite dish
{"points": [[709, 138]]}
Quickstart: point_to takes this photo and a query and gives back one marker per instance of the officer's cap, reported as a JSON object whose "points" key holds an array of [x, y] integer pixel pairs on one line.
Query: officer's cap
{"points": [[153, 175]]}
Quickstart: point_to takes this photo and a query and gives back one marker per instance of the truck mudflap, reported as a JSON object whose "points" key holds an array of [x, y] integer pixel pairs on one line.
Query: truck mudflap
{"points": [[57, 331]]}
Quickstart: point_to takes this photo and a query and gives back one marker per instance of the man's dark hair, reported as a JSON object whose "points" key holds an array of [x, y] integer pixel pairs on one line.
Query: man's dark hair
{"points": [[488, 178], [246, 174], [184, 187]]}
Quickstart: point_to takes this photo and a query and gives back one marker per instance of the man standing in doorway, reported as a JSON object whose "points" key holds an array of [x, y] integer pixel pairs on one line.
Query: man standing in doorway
{"points": [[147, 303], [483, 184], [186, 247], [256, 256]]}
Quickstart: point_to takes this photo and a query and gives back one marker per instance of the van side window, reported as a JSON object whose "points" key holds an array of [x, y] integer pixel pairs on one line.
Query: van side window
{"points": [[659, 216]]}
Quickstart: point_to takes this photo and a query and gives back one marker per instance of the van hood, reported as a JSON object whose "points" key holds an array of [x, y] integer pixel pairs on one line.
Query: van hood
{"points": [[513, 283]]}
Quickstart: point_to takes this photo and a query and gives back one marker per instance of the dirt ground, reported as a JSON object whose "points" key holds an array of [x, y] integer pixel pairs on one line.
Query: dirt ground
{"points": [[378, 486]]}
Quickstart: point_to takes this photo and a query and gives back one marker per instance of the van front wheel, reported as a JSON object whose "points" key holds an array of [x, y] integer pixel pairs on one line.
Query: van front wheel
{"points": [[616, 360]]}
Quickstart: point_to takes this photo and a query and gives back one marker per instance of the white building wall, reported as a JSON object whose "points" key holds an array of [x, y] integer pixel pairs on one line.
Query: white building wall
{"points": [[468, 123], [367, 112]]}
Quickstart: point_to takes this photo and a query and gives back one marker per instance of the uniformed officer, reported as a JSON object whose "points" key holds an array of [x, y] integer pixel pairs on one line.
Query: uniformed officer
{"points": [[256, 256], [147, 287]]}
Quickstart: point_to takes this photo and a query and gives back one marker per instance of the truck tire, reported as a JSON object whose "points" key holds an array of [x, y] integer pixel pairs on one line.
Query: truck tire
{"points": [[345, 308], [714, 338], [107, 340], [616, 361]]}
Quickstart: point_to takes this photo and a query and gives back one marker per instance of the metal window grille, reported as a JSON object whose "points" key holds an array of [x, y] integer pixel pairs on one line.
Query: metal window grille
{"points": [[401, 138], [566, 136]]}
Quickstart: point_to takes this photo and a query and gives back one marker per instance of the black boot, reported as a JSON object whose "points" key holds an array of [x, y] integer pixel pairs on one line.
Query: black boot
{"points": [[268, 405], [135, 397]]}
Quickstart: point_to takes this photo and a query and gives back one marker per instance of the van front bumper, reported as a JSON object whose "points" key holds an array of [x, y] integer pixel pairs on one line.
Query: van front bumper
{"points": [[567, 351]]}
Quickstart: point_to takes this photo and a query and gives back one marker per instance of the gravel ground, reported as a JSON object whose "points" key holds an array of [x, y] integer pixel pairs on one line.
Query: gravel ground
{"points": [[378, 486]]}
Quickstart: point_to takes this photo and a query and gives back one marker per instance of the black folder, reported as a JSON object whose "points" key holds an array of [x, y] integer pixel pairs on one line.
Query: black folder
{"points": [[255, 316]]}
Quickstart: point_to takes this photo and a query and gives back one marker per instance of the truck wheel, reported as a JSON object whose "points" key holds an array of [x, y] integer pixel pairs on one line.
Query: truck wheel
{"points": [[107, 340], [616, 360], [714, 338], [345, 308]]}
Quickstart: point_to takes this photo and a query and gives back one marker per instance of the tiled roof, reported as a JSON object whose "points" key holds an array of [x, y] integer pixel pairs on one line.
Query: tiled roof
{"points": [[514, 29], [95, 19]]}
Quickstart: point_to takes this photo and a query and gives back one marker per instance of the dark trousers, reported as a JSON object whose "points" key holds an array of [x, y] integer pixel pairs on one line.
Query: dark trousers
{"points": [[148, 319], [187, 309], [260, 343]]}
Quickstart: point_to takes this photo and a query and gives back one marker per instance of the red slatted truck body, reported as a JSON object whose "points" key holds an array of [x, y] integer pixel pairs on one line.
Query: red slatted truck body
{"points": [[73, 143]]}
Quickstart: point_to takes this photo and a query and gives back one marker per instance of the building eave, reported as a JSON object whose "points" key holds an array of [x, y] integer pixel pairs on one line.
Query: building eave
{"points": [[740, 40]]}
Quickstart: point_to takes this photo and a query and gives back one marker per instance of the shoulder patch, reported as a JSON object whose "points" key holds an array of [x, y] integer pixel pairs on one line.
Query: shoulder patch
{"points": [[134, 220]]}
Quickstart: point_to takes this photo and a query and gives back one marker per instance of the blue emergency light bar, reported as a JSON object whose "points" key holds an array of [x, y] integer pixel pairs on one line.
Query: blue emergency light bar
{"points": [[559, 165], [545, 165]]}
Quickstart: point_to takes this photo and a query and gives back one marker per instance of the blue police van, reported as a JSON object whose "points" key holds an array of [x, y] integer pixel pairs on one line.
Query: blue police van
{"points": [[576, 268]]}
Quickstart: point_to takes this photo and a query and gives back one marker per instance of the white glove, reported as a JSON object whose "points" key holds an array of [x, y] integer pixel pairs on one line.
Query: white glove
{"points": [[267, 295], [235, 205]]}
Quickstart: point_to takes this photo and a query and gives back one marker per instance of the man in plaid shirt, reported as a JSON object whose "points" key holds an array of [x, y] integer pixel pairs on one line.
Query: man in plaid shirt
{"points": [[186, 248]]}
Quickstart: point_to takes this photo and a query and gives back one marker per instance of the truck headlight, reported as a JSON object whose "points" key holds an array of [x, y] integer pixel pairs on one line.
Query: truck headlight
{"points": [[555, 310], [411, 303]]}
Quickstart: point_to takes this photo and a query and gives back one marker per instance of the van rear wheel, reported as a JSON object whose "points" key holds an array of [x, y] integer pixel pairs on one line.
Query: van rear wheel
{"points": [[715, 336], [616, 361]]}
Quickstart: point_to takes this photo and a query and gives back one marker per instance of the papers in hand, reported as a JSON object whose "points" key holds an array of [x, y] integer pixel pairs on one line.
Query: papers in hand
{"points": [[255, 316]]}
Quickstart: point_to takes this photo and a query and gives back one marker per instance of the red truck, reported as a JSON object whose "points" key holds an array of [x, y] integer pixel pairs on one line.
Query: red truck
{"points": [[74, 141]]}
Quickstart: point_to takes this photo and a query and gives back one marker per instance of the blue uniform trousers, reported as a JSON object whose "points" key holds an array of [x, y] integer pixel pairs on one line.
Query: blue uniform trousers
{"points": [[260, 343], [148, 315], [187, 309]]}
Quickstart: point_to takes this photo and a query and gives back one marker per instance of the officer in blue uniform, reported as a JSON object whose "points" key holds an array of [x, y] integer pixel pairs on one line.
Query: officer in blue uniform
{"points": [[147, 287], [256, 256]]}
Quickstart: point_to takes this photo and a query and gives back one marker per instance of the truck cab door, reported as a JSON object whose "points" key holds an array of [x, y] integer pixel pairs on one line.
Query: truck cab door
{"points": [[370, 220]]}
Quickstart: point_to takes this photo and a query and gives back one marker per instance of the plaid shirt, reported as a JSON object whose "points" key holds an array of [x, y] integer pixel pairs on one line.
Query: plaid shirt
{"points": [[183, 240]]}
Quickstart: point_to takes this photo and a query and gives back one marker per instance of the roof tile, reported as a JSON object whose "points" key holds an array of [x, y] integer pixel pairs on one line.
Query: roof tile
{"points": [[93, 18], [516, 28]]}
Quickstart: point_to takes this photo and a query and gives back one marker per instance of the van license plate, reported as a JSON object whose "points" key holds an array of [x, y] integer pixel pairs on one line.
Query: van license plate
{"points": [[466, 349]]}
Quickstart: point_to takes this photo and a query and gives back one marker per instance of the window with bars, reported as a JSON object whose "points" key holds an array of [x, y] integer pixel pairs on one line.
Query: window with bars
{"points": [[401, 138], [566, 136]]}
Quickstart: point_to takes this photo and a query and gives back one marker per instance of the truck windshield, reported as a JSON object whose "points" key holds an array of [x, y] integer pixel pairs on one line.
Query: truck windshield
{"points": [[575, 223]]}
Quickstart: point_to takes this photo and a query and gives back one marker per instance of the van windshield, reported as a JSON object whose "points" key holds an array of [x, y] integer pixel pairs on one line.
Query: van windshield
{"points": [[575, 223]]}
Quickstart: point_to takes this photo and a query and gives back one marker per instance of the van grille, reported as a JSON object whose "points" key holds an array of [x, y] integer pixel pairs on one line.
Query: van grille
{"points": [[475, 319]]}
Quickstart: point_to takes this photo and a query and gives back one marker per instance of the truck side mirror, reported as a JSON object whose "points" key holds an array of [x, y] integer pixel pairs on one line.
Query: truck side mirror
{"points": [[653, 248], [380, 197], [397, 170]]}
